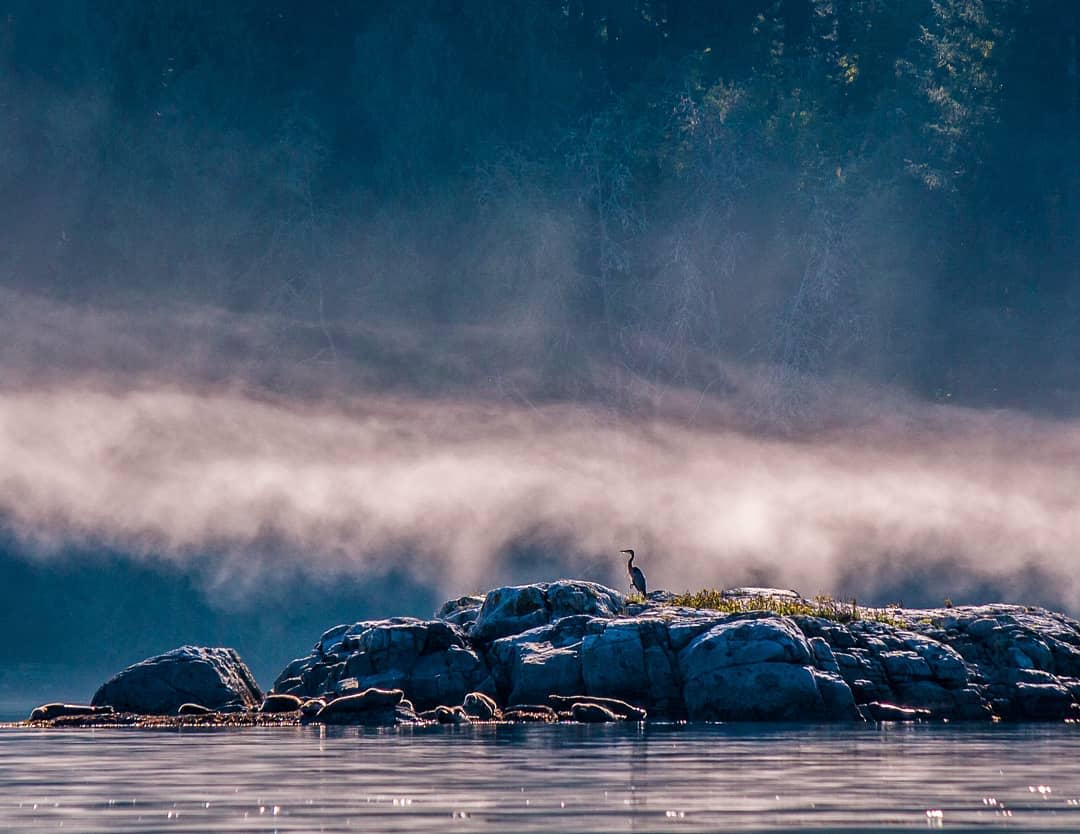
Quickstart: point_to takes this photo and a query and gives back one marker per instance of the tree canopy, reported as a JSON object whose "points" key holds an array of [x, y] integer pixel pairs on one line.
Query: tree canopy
{"points": [[868, 187]]}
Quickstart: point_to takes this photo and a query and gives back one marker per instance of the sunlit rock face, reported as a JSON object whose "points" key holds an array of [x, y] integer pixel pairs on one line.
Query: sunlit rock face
{"points": [[213, 678], [550, 642], [760, 670], [462, 611], [512, 610]]}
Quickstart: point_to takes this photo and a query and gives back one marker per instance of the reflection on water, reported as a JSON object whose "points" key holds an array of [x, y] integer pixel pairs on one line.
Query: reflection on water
{"points": [[542, 778]]}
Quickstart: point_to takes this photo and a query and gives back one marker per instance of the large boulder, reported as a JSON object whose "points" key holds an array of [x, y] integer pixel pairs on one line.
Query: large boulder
{"points": [[542, 661], [160, 685], [430, 660], [759, 670], [512, 610], [632, 660], [756, 692], [743, 642]]}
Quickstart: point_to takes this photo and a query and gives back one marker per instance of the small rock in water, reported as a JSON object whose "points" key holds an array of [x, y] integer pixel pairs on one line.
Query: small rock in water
{"points": [[620, 708], [451, 715], [193, 709], [48, 712], [480, 706], [530, 712], [351, 708], [592, 713], [280, 703], [312, 707]]}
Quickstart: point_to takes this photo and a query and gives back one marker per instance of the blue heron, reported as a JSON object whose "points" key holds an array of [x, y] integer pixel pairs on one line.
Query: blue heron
{"points": [[637, 578]]}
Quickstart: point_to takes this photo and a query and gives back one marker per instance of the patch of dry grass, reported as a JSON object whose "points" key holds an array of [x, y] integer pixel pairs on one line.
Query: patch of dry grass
{"points": [[824, 606]]}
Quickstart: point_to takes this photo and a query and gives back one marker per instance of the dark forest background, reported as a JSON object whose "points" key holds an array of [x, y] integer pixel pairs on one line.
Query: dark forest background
{"points": [[862, 187]]}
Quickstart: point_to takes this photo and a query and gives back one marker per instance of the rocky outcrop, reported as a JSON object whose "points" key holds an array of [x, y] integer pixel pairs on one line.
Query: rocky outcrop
{"points": [[512, 610], [578, 643], [432, 660], [760, 670], [214, 678]]}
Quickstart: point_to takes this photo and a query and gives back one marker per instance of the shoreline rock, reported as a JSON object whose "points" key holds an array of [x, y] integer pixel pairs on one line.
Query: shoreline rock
{"points": [[216, 679], [572, 650]]}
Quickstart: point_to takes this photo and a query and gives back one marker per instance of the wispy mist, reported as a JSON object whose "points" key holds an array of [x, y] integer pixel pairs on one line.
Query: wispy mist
{"points": [[250, 483]]}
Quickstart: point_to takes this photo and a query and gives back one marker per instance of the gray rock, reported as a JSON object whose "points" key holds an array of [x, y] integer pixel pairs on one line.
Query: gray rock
{"points": [[865, 691], [758, 670], [462, 611], [905, 666], [823, 655], [480, 706], [632, 660], [541, 669], [620, 708], [431, 660], [451, 715], [838, 701], [567, 598], [1041, 702], [682, 630], [970, 705], [280, 703], [50, 712], [528, 667], [743, 642], [160, 685], [193, 709], [946, 665], [981, 628], [513, 610], [312, 707], [928, 695], [331, 639], [371, 698], [768, 691], [372, 706], [530, 713], [1036, 652], [613, 662], [587, 712]]}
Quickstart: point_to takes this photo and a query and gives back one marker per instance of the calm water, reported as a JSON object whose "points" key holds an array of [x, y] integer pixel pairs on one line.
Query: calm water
{"points": [[542, 778]]}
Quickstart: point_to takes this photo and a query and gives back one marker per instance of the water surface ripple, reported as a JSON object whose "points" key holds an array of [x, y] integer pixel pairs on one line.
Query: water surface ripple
{"points": [[542, 778]]}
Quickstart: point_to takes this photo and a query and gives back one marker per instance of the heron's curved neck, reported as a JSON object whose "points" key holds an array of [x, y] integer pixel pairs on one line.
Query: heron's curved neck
{"points": [[630, 561]]}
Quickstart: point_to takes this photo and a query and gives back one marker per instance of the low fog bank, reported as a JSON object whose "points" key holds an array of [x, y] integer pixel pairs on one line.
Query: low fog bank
{"points": [[861, 492]]}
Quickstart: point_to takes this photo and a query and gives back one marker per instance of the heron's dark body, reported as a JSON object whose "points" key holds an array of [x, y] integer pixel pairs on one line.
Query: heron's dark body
{"points": [[637, 578]]}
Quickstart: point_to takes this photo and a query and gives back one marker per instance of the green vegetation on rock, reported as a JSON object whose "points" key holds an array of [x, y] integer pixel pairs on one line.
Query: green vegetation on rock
{"points": [[822, 605]]}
